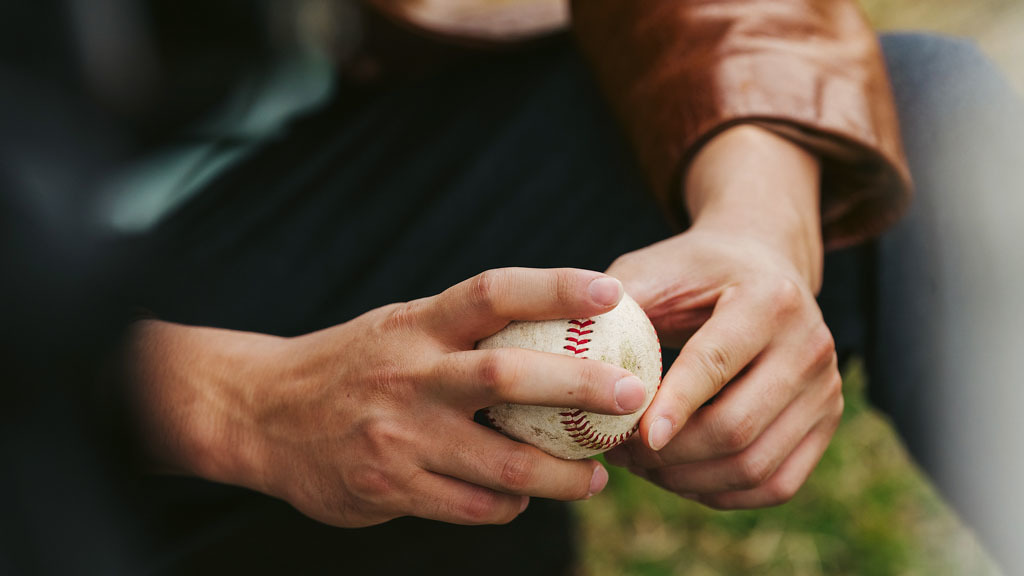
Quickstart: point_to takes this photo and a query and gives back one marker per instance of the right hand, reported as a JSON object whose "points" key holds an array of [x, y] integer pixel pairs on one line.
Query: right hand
{"points": [[373, 419]]}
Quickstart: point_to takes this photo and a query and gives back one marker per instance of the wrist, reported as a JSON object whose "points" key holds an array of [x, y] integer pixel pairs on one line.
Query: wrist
{"points": [[748, 182], [199, 393]]}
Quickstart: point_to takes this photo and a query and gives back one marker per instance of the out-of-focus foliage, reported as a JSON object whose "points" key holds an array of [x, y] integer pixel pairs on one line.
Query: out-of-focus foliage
{"points": [[865, 510]]}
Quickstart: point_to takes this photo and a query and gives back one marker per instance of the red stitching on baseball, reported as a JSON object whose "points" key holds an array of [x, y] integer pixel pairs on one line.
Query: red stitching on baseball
{"points": [[582, 432], [578, 342], [576, 421], [661, 359]]}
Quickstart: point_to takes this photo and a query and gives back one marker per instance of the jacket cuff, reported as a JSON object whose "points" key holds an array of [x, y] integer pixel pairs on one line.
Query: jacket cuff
{"points": [[679, 73], [863, 192], [865, 183]]}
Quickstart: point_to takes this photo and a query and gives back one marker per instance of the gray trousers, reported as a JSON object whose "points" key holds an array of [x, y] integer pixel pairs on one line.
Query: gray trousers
{"points": [[948, 320]]}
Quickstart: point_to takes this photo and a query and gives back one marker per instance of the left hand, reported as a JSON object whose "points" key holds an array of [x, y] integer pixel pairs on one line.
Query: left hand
{"points": [[745, 413]]}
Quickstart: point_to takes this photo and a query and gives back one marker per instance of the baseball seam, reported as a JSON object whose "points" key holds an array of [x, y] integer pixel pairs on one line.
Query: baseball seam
{"points": [[575, 422]]}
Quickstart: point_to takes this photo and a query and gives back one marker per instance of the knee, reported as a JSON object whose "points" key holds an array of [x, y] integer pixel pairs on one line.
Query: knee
{"points": [[955, 107], [940, 68]]}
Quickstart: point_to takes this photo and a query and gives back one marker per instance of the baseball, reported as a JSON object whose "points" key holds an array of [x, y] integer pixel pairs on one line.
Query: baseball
{"points": [[623, 337]]}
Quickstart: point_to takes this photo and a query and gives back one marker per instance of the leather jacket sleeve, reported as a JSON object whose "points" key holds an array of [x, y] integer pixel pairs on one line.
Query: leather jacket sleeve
{"points": [[677, 72]]}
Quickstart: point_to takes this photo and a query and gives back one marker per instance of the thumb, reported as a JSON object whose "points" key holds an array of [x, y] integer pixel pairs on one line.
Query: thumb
{"points": [[676, 309], [636, 278]]}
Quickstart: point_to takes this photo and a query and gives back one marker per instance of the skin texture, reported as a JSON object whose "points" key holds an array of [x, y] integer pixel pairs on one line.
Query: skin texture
{"points": [[351, 439], [747, 410], [740, 421]]}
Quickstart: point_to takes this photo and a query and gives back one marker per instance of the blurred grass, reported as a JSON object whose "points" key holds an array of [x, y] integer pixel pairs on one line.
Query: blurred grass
{"points": [[866, 510]]}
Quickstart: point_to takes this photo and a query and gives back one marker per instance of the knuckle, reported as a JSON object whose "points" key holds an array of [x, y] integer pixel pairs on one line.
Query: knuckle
{"points": [[383, 437], [752, 470], [503, 516], [565, 292], [588, 382], [714, 362], [517, 470], [484, 289], [834, 388], [836, 405], [822, 347], [683, 403], [781, 491], [786, 297], [580, 488], [840, 406], [371, 485], [355, 512], [498, 371], [480, 507], [734, 431]]}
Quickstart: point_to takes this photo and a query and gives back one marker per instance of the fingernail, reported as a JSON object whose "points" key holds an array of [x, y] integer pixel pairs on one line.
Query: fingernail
{"points": [[660, 433], [618, 457], [629, 394], [605, 290], [598, 481], [524, 504]]}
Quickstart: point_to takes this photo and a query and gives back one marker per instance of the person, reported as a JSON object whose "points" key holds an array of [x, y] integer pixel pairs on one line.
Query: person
{"points": [[312, 312]]}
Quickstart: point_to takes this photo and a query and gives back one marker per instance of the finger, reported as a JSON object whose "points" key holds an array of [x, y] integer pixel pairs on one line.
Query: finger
{"points": [[437, 497], [786, 481], [481, 378], [486, 303], [753, 466], [746, 408], [482, 456], [620, 455], [738, 330]]}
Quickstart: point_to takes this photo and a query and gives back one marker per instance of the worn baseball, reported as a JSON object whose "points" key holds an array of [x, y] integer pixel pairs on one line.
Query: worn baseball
{"points": [[623, 337]]}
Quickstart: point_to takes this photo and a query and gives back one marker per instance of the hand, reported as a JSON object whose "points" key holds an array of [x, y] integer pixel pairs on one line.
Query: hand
{"points": [[373, 419], [746, 411]]}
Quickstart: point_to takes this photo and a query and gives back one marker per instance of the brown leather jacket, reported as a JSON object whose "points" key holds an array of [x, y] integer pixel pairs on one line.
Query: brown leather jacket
{"points": [[679, 71]]}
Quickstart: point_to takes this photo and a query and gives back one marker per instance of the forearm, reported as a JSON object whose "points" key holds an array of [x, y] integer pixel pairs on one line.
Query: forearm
{"points": [[196, 392], [679, 71], [748, 181]]}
